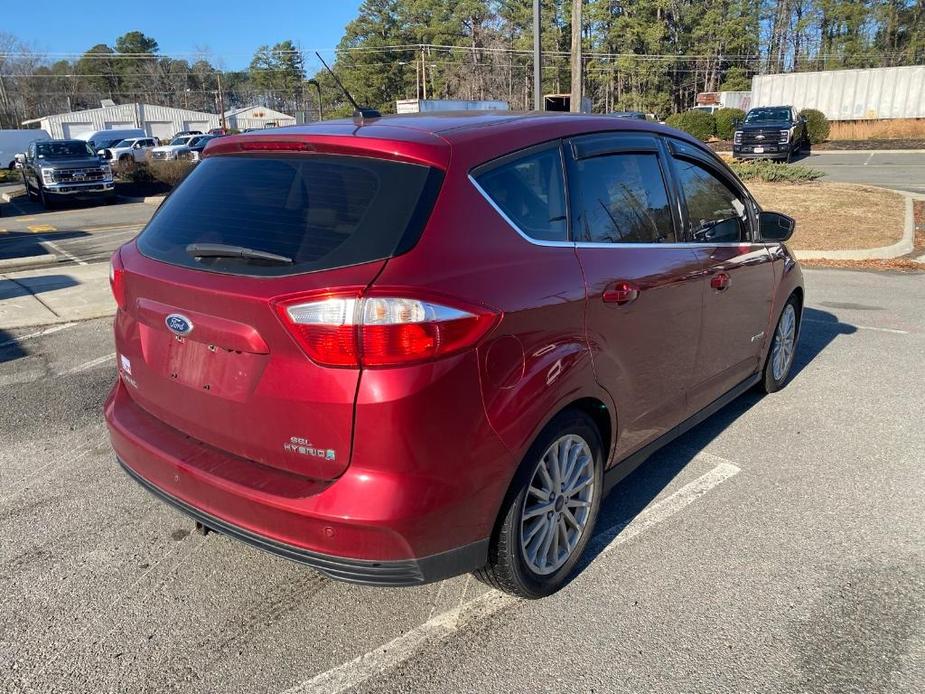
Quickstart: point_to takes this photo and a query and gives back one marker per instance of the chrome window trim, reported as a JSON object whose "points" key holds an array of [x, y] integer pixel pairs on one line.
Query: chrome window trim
{"points": [[590, 244], [535, 242]]}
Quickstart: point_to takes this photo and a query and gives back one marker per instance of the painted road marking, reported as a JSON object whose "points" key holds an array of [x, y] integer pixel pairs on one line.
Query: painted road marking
{"points": [[38, 333], [67, 254], [444, 625], [87, 365], [894, 331], [36, 228], [869, 158]]}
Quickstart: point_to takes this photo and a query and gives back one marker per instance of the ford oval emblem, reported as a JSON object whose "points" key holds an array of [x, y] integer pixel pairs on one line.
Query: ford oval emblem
{"points": [[179, 325]]}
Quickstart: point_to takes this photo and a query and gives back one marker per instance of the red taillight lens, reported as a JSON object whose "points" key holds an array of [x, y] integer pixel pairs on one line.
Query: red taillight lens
{"points": [[117, 279], [381, 330]]}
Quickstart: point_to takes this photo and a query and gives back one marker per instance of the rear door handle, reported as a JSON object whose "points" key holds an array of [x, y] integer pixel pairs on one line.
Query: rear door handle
{"points": [[620, 293], [720, 281]]}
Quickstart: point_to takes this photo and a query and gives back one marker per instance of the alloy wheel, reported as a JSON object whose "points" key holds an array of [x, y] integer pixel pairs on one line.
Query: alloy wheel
{"points": [[557, 506], [784, 339]]}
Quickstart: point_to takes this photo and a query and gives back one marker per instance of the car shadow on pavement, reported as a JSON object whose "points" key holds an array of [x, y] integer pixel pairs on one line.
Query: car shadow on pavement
{"points": [[631, 496], [11, 347], [25, 244]]}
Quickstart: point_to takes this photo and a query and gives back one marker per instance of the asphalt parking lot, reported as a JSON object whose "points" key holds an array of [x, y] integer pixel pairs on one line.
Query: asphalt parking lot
{"points": [[72, 235], [777, 547], [888, 169]]}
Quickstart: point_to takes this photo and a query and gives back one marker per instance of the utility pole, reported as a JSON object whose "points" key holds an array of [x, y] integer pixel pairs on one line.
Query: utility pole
{"points": [[575, 100], [424, 73], [221, 101], [537, 59]]}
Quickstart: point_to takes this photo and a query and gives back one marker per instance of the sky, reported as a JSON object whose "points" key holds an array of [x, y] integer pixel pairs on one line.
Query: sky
{"points": [[230, 30]]}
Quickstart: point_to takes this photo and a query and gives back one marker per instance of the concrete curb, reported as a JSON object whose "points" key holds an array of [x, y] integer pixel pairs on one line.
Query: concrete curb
{"points": [[149, 200], [28, 260], [7, 196], [901, 247]]}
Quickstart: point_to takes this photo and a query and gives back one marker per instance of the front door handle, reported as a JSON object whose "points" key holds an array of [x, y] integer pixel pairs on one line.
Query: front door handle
{"points": [[620, 293], [720, 281]]}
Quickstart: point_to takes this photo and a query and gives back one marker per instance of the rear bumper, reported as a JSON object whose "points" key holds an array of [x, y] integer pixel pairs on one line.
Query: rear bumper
{"points": [[377, 523], [383, 573]]}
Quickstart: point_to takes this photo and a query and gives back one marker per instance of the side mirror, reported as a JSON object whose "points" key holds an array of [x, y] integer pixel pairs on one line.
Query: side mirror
{"points": [[774, 227]]}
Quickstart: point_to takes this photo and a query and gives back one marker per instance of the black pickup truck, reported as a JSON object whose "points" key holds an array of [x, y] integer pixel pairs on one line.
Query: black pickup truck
{"points": [[55, 170], [770, 132]]}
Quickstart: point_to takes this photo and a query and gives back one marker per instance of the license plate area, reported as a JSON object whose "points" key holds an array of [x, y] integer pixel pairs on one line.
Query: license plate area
{"points": [[207, 368], [758, 150]]}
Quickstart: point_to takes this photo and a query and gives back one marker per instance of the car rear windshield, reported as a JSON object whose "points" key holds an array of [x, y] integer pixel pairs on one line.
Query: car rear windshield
{"points": [[318, 211]]}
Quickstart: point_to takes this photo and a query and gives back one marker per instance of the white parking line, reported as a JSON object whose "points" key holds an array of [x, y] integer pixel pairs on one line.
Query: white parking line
{"points": [[66, 254], [89, 364], [441, 627], [859, 327], [38, 333], [869, 158]]}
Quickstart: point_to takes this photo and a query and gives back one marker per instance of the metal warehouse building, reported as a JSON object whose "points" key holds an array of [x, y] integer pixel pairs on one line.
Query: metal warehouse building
{"points": [[256, 117], [159, 121], [868, 94]]}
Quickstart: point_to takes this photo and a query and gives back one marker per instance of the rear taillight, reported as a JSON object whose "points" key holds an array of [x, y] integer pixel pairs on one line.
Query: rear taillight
{"points": [[117, 279], [377, 331]]}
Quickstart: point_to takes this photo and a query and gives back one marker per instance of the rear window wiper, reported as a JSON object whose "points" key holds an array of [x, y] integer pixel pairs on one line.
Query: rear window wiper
{"points": [[224, 250]]}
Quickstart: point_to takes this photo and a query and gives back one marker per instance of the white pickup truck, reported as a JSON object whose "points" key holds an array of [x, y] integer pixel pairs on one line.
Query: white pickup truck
{"points": [[129, 149]]}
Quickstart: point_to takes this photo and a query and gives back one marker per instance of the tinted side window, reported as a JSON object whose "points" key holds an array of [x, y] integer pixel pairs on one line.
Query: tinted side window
{"points": [[620, 198], [530, 190], [715, 214]]}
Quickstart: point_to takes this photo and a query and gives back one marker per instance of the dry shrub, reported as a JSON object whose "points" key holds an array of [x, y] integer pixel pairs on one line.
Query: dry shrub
{"points": [[894, 129], [170, 172]]}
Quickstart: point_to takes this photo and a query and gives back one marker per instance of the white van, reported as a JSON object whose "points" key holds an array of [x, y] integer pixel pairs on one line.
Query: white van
{"points": [[103, 139], [13, 142]]}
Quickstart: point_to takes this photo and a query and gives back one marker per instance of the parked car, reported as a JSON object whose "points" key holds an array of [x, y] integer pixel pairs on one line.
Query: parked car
{"points": [[57, 169], [218, 131], [13, 142], [771, 132], [132, 149], [193, 150], [301, 368], [104, 139], [170, 151], [183, 133]]}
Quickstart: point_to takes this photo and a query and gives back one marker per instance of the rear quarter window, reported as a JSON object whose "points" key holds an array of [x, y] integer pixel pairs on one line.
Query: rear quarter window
{"points": [[321, 211]]}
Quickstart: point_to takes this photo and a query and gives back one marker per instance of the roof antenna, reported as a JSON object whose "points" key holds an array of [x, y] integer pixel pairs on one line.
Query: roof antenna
{"points": [[359, 113]]}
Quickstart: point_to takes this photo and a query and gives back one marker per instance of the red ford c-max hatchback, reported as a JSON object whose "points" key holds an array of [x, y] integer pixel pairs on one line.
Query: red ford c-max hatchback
{"points": [[408, 347]]}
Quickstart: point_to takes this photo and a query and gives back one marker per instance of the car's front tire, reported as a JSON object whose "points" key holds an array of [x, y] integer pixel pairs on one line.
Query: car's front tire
{"points": [[46, 200], [549, 514], [783, 347]]}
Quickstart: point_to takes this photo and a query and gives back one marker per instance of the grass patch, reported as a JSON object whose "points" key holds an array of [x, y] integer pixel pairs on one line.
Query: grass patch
{"points": [[893, 129], [835, 216], [773, 172]]}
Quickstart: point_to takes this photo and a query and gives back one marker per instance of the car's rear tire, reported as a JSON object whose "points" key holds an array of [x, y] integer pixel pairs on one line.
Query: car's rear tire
{"points": [[549, 514], [783, 347]]}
